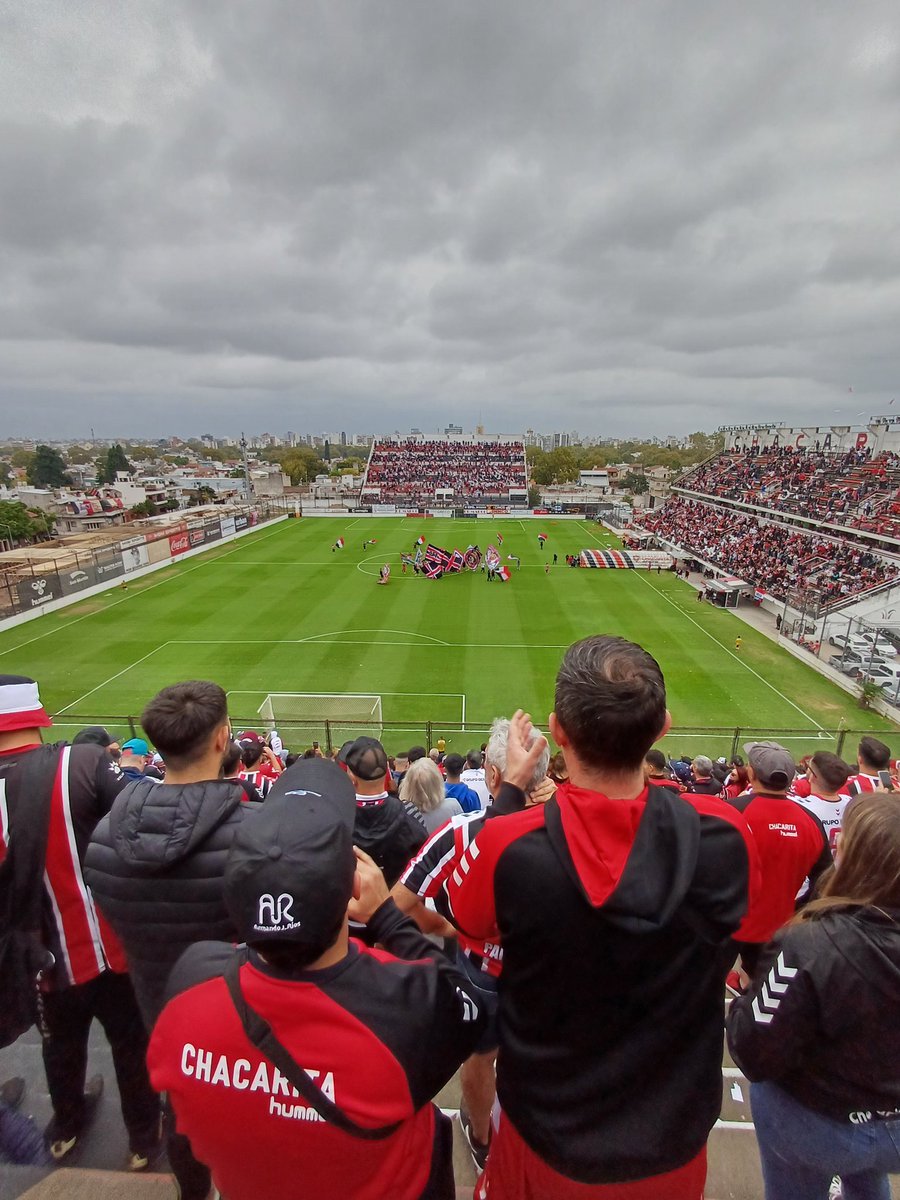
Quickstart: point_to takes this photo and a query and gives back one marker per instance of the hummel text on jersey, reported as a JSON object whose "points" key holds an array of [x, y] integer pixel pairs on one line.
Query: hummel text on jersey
{"points": [[783, 828], [205, 1067]]}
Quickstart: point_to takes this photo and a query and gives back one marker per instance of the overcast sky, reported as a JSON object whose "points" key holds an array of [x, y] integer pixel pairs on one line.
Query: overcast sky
{"points": [[616, 218]]}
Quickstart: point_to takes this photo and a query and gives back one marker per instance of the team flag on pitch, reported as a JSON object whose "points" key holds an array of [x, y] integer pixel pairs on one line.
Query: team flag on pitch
{"points": [[500, 539], [504, 573], [436, 561], [456, 563], [542, 536], [420, 541], [338, 545], [372, 542], [492, 556]]}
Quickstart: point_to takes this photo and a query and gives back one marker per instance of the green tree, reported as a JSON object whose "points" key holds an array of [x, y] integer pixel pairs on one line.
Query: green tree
{"points": [[5, 474], [203, 494], [78, 455], [534, 496], [142, 453], [47, 469], [113, 461], [636, 483], [19, 523], [21, 458], [146, 508], [302, 465]]}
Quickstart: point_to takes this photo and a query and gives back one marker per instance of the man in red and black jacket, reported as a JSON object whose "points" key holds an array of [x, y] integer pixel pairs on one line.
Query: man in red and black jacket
{"points": [[378, 1032], [88, 978], [792, 843], [615, 905]]}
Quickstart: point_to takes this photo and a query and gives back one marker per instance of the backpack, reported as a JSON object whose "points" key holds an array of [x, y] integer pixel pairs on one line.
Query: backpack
{"points": [[23, 956]]}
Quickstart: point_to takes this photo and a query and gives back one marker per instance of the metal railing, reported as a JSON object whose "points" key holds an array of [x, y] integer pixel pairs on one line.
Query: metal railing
{"points": [[400, 736]]}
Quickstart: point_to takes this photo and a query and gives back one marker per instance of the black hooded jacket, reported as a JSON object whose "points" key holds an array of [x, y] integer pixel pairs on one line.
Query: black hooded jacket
{"points": [[156, 866], [615, 918], [387, 832], [823, 1020]]}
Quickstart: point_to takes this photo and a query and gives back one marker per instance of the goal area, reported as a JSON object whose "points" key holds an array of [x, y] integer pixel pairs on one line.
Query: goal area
{"points": [[305, 715]]}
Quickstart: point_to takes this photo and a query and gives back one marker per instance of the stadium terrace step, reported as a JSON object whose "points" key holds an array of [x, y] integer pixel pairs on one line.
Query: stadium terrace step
{"points": [[74, 1183]]}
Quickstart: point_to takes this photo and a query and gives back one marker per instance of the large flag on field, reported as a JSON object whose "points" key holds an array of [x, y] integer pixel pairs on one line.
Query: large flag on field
{"points": [[504, 573], [492, 556], [472, 558], [436, 561], [456, 563]]}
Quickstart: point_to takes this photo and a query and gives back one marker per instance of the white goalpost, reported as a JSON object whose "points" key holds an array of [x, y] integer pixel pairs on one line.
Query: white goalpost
{"points": [[349, 714]]}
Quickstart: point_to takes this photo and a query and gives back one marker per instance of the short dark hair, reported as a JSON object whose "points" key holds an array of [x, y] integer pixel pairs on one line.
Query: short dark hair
{"points": [[417, 752], [475, 759], [611, 701], [655, 759], [876, 753], [454, 764], [231, 758], [251, 752], [832, 770], [181, 719]]}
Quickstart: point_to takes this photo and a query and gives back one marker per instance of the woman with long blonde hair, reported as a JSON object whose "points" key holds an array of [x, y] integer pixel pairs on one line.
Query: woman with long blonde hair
{"points": [[819, 1033], [423, 787]]}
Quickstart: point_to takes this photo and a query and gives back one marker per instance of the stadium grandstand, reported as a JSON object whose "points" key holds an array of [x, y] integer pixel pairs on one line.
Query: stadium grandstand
{"points": [[812, 512], [472, 470]]}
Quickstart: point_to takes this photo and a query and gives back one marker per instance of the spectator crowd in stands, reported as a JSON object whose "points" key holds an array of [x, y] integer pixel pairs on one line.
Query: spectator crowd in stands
{"points": [[411, 471], [775, 557], [299, 1016], [852, 487]]}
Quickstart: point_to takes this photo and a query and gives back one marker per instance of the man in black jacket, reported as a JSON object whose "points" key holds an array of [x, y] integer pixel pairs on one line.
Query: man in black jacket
{"points": [[611, 997], [156, 864]]}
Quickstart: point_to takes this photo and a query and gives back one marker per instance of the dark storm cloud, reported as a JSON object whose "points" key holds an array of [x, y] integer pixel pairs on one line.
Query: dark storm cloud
{"points": [[580, 215]]}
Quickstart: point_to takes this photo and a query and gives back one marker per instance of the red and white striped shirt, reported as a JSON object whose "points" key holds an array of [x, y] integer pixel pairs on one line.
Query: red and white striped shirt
{"points": [[84, 787]]}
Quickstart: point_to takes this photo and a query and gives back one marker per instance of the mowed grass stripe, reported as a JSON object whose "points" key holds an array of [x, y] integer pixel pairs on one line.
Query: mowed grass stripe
{"points": [[225, 614]]}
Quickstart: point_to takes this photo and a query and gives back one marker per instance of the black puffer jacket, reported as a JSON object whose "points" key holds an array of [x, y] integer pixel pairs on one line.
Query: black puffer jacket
{"points": [[155, 866]]}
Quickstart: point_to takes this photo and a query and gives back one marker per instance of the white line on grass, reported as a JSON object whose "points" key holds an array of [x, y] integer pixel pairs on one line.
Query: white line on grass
{"points": [[730, 653], [117, 675], [313, 637], [343, 642], [202, 562]]}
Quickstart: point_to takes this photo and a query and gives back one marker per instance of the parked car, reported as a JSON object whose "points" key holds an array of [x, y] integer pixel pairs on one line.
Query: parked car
{"points": [[864, 645]]}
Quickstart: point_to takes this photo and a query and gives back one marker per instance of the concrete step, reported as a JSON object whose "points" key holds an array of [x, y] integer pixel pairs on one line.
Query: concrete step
{"points": [[83, 1183]]}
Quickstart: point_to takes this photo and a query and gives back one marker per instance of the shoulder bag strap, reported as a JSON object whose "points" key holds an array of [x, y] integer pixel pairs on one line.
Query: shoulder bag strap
{"points": [[260, 1034]]}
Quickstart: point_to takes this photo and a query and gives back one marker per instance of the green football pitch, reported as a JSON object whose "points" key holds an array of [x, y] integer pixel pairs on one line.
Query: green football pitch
{"points": [[281, 612]]}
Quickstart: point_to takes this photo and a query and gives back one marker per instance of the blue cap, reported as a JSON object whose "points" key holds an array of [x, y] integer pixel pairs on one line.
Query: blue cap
{"points": [[136, 746]]}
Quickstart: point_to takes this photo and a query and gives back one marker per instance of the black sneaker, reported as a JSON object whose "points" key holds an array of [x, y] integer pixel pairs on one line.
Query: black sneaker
{"points": [[13, 1091], [478, 1150], [63, 1147]]}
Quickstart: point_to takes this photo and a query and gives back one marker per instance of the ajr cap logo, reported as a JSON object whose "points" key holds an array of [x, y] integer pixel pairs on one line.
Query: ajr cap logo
{"points": [[274, 913]]}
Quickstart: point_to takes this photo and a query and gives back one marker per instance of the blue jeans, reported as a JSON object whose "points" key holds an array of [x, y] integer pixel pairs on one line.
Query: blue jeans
{"points": [[801, 1150]]}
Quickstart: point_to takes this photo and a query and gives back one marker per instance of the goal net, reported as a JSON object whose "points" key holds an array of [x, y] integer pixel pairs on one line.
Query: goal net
{"points": [[301, 717]]}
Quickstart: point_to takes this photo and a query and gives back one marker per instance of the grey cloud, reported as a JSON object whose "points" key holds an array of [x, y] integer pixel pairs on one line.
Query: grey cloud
{"points": [[570, 215]]}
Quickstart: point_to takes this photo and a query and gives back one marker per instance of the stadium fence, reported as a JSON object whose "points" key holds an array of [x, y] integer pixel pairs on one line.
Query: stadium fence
{"points": [[399, 736]]}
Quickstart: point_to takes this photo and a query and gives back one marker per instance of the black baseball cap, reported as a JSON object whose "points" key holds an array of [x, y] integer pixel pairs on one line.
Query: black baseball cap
{"points": [[93, 735], [365, 757], [289, 875]]}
